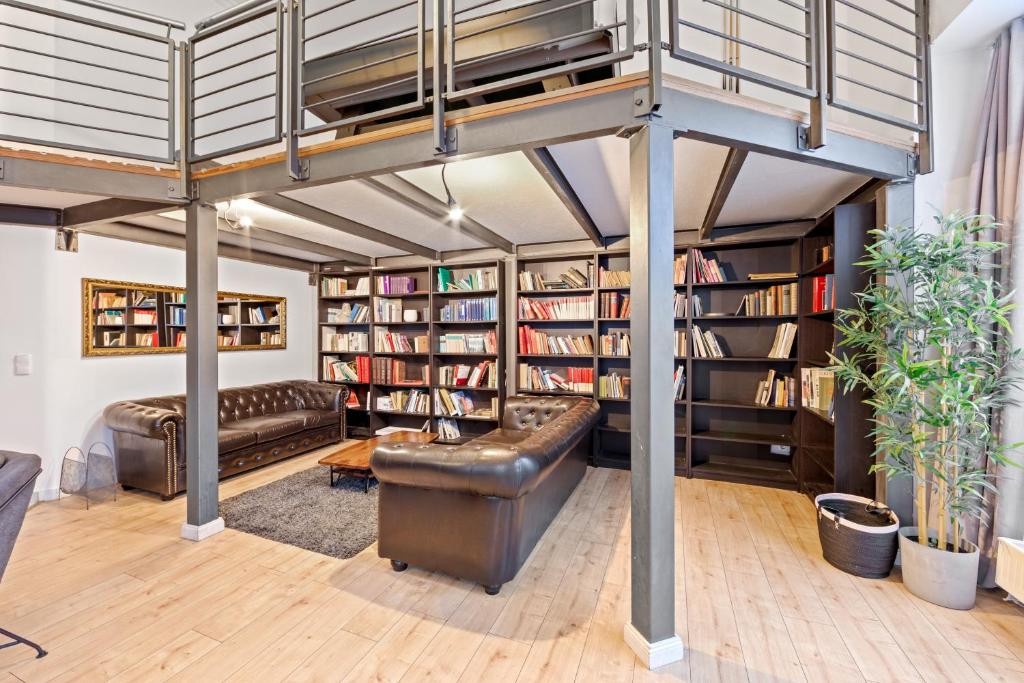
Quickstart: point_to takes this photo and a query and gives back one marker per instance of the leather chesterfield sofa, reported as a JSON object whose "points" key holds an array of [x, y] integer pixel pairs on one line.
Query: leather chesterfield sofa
{"points": [[259, 425], [476, 511]]}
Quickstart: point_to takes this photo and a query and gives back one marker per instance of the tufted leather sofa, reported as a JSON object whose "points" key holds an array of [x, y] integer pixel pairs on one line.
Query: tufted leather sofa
{"points": [[476, 511], [259, 425]]}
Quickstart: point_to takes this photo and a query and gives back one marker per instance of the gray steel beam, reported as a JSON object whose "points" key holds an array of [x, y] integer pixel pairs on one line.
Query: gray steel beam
{"points": [[39, 174], [651, 631], [116, 209], [401, 190], [552, 174], [282, 240], [39, 216], [202, 515], [730, 172], [293, 207]]}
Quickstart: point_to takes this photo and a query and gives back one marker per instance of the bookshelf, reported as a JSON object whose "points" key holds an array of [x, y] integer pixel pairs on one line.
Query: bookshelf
{"points": [[448, 318], [128, 318]]}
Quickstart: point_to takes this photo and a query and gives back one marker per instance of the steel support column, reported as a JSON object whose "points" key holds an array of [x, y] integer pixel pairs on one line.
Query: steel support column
{"points": [[651, 631], [202, 518]]}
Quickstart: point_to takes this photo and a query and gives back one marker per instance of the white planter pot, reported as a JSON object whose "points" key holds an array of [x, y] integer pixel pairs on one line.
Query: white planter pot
{"points": [[941, 577]]}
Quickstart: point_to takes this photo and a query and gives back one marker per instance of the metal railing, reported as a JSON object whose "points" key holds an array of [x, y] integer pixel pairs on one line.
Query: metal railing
{"points": [[127, 75]]}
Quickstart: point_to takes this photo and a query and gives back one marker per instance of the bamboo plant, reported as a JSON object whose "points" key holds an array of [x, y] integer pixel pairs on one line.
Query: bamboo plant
{"points": [[930, 341]]}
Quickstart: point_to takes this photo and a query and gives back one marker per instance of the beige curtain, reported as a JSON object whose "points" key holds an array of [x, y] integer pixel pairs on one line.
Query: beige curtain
{"points": [[997, 184]]}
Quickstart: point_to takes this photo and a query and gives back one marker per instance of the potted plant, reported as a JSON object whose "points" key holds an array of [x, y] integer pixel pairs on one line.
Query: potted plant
{"points": [[930, 341]]}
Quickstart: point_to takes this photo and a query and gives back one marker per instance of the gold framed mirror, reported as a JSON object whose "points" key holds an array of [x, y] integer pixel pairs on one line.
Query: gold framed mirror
{"points": [[132, 318]]}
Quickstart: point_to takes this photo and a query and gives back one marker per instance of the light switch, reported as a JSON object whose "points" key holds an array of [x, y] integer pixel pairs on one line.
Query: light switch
{"points": [[23, 364]]}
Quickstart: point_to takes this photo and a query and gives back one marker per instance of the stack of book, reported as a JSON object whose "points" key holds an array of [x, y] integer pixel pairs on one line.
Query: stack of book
{"points": [[349, 313], [472, 281], [459, 403], [448, 429], [146, 339], [679, 383], [777, 300], [272, 339], [680, 345], [396, 342], [616, 344], [613, 385], [536, 342], [785, 334], [705, 344], [770, 276], [108, 300], [613, 278], [415, 402], [574, 380], [614, 305], [470, 310], [482, 375], [344, 341], [394, 371], [679, 303], [776, 391], [486, 342], [570, 279], [679, 270], [823, 294], [356, 370], [338, 286], [395, 284], [817, 386], [143, 318], [707, 270], [561, 308]]}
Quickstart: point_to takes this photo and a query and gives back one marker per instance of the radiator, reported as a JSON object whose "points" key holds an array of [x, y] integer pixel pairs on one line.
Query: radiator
{"points": [[1010, 567]]}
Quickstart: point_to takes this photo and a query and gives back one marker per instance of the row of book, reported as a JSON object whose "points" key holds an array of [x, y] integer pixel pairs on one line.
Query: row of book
{"points": [[385, 341], [679, 383], [337, 370], [817, 389], [349, 313], [698, 306], [823, 293], [485, 342], [776, 300], [470, 282], [143, 299], [228, 340], [705, 344], [227, 317], [612, 278], [148, 339], [561, 308], [270, 338], [470, 310], [481, 375], [782, 346], [109, 300], [344, 341], [679, 304], [111, 317], [823, 254], [615, 344], [339, 286], [262, 315], [459, 404], [392, 311], [614, 305], [395, 284], [180, 340], [396, 371], [448, 429], [706, 269], [175, 315], [413, 402], [575, 380], [143, 317], [613, 385], [572, 278], [775, 390], [537, 342], [680, 344], [679, 269]]}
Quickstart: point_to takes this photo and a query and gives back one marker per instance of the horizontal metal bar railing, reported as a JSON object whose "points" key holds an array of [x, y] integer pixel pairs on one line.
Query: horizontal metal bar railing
{"points": [[222, 55], [143, 75]]}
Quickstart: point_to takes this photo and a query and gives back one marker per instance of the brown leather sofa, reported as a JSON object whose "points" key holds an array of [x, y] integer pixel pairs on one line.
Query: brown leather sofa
{"points": [[476, 511], [259, 425]]}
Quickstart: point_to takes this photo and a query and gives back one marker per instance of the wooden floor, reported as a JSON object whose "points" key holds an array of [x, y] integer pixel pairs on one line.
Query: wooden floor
{"points": [[113, 594]]}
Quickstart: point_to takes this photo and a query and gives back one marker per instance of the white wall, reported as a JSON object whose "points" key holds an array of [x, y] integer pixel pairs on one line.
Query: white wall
{"points": [[61, 403]]}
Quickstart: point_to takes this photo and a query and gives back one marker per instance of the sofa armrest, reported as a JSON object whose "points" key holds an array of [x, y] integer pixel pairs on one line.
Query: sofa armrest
{"points": [[324, 396], [141, 419]]}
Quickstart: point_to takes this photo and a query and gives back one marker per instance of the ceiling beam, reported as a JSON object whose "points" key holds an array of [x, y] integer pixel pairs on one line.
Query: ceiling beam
{"points": [[733, 164], [39, 216], [315, 214], [282, 240], [552, 174], [401, 190], [114, 209]]}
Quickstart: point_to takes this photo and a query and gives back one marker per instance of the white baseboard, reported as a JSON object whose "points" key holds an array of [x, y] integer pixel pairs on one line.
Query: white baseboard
{"points": [[654, 655], [191, 532]]}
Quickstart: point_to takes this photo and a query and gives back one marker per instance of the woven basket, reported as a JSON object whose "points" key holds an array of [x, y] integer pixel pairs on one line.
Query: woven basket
{"points": [[858, 535]]}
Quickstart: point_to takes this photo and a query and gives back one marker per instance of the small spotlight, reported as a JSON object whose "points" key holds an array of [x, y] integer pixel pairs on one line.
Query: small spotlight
{"points": [[455, 212], [245, 221]]}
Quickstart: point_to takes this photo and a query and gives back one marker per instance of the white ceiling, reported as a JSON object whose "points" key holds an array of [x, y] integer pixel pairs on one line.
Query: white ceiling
{"points": [[44, 198], [975, 25]]}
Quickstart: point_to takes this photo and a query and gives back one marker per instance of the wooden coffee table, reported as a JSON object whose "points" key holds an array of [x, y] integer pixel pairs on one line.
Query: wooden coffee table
{"points": [[354, 459]]}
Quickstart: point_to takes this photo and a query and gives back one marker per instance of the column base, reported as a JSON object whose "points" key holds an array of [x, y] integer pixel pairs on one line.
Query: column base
{"points": [[192, 532], [654, 655]]}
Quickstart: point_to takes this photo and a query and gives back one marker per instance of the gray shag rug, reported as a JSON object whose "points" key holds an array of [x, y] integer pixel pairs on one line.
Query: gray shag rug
{"points": [[305, 511]]}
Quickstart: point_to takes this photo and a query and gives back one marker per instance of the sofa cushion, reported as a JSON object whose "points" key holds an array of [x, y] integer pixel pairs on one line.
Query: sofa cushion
{"points": [[233, 439], [269, 427], [507, 437], [313, 419]]}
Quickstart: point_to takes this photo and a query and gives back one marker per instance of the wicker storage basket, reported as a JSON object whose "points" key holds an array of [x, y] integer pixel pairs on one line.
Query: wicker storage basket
{"points": [[858, 535]]}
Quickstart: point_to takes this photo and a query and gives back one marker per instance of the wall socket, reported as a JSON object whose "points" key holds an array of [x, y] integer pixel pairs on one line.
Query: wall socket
{"points": [[23, 364]]}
